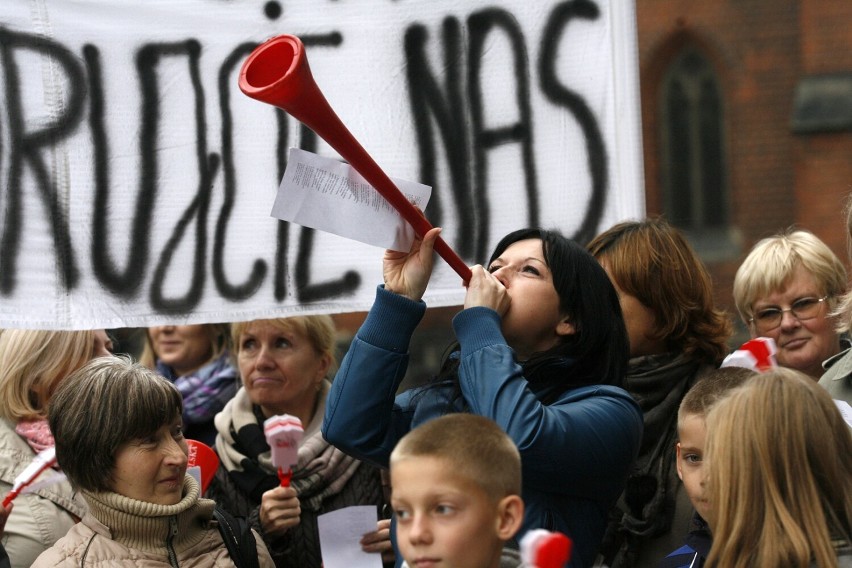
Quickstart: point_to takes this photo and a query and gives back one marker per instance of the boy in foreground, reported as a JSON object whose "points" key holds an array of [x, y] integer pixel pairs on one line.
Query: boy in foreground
{"points": [[456, 484], [690, 459]]}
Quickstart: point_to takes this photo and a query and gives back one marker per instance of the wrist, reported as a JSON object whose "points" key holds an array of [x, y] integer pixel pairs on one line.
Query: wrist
{"points": [[405, 293]]}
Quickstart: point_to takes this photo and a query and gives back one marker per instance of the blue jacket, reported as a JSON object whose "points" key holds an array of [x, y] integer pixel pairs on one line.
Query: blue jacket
{"points": [[575, 452], [694, 553]]}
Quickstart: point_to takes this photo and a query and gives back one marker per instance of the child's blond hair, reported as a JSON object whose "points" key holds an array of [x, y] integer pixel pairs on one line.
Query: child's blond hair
{"points": [[780, 474], [712, 386], [472, 446]]}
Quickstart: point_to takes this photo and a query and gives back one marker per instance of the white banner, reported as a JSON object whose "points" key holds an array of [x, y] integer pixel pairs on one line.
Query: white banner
{"points": [[137, 180]]}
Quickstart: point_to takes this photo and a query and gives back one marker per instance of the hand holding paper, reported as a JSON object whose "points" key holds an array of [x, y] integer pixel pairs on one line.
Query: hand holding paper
{"points": [[341, 533]]}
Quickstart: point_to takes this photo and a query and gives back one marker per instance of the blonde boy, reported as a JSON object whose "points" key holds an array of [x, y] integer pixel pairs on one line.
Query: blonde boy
{"points": [[690, 458], [456, 484]]}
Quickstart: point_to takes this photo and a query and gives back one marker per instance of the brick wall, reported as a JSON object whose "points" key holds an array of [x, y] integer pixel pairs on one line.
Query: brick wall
{"points": [[823, 162], [752, 46]]}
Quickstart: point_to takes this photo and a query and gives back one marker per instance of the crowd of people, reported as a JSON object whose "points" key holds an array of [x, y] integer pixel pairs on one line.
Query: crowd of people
{"points": [[584, 395]]}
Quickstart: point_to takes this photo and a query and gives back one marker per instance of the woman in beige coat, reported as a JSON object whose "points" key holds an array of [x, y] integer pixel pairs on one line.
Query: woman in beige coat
{"points": [[119, 439]]}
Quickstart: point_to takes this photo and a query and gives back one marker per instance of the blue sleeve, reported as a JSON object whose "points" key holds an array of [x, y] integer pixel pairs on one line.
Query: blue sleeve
{"points": [[362, 416], [575, 445], [683, 557]]}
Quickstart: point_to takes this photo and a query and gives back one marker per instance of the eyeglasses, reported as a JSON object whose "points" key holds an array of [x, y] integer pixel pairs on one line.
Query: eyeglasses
{"points": [[802, 309]]}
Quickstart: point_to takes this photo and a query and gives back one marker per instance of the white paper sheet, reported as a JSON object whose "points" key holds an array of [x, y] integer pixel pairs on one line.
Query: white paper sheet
{"points": [[340, 535], [329, 195]]}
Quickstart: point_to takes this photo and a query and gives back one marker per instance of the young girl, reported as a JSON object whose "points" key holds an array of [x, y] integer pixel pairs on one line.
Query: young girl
{"points": [[780, 476], [542, 350]]}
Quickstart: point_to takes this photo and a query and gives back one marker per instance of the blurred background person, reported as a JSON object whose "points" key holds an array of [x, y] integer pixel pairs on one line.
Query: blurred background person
{"points": [[119, 441], [786, 289], [197, 359], [33, 363], [676, 334], [782, 494], [285, 365], [837, 378]]}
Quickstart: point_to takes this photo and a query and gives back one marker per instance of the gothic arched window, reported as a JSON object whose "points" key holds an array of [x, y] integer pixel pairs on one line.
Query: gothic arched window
{"points": [[694, 184]]}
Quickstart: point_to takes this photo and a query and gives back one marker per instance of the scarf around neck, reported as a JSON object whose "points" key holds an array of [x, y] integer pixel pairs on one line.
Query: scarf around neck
{"points": [[36, 433], [658, 383], [220, 368], [322, 469]]}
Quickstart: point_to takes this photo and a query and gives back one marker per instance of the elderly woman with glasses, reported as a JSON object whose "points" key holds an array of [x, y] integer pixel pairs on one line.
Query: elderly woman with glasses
{"points": [[787, 289]]}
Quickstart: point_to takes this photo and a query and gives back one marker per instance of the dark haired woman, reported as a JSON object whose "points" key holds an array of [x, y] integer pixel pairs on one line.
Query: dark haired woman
{"points": [[542, 350]]}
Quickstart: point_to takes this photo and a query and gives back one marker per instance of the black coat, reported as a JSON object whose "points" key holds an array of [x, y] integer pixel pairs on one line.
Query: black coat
{"points": [[299, 547]]}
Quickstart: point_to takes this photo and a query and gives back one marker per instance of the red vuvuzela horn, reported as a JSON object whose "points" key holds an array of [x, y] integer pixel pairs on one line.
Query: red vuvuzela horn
{"points": [[277, 73]]}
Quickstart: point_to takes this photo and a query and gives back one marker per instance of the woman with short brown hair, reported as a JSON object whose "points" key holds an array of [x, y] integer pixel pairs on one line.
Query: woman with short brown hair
{"points": [[676, 334]]}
